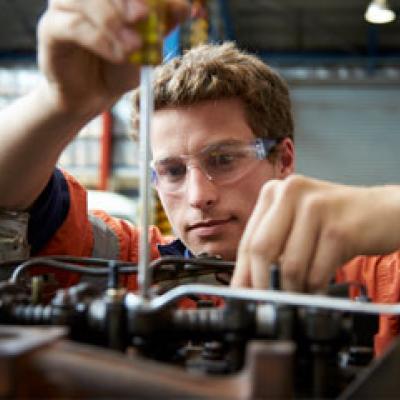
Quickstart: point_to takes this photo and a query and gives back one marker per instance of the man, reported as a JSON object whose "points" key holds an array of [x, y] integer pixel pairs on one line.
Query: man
{"points": [[222, 145]]}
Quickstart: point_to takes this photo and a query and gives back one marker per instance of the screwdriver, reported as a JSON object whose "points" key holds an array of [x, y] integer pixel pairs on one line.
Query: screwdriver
{"points": [[152, 33]]}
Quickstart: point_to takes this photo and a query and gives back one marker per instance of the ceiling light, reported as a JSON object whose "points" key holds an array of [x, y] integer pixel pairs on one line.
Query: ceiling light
{"points": [[378, 12]]}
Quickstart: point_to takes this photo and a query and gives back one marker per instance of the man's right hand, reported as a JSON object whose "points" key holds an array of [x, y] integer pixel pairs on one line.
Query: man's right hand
{"points": [[84, 46]]}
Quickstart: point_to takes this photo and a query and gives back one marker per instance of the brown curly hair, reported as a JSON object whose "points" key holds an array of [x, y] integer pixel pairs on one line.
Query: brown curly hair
{"points": [[212, 72]]}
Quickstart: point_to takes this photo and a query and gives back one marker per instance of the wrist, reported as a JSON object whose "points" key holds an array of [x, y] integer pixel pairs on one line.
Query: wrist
{"points": [[75, 113]]}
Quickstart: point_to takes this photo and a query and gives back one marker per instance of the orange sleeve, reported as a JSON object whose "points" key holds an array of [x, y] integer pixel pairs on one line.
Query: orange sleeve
{"points": [[381, 277], [75, 237], [128, 238]]}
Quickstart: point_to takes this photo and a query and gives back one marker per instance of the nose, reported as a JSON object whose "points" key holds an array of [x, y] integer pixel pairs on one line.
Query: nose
{"points": [[201, 190]]}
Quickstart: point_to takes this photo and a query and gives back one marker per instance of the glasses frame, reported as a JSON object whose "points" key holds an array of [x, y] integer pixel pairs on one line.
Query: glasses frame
{"points": [[262, 146]]}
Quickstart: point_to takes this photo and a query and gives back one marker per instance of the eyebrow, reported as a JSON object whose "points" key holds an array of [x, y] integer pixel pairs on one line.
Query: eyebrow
{"points": [[223, 143], [208, 147], [166, 159]]}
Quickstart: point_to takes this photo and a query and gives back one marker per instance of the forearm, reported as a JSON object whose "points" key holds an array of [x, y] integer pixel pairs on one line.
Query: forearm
{"points": [[33, 133]]}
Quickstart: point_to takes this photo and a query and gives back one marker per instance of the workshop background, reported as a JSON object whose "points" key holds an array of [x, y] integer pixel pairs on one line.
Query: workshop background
{"points": [[343, 72]]}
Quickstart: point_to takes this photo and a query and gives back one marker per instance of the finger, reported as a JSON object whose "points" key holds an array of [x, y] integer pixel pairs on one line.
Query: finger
{"points": [[273, 233], [328, 257], [241, 273], [115, 19], [300, 247], [271, 225], [241, 276], [105, 11], [61, 26], [259, 251]]}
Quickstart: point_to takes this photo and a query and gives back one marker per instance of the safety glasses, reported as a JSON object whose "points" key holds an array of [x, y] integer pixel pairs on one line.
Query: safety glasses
{"points": [[222, 163]]}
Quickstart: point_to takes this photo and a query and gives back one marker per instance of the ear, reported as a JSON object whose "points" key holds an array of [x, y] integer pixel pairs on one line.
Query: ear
{"points": [[285, 162]]}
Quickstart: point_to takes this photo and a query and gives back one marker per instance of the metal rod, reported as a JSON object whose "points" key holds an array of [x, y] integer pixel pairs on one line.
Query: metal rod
{"points": [[146, 112], [274, 296]]}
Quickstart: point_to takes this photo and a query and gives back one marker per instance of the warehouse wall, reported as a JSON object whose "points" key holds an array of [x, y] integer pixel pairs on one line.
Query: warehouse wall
{"points": [[348, 133]]}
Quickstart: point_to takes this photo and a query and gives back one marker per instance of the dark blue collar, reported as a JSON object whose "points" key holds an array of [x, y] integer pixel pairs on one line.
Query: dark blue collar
{"points": [[175, 248]]}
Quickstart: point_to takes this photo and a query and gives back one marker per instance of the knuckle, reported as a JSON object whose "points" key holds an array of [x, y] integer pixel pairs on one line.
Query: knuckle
{"points": [[97, 41], [256, 247], [119, 4], [124, 53], [292, 185], [268, 188], [316, 282], [292, 271], [312, 204], [264, 247], [73, 22], [335, 235], [110, 21]]}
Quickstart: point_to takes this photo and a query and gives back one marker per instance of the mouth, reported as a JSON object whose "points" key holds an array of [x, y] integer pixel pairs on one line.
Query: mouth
{"points": [[209, 225]]}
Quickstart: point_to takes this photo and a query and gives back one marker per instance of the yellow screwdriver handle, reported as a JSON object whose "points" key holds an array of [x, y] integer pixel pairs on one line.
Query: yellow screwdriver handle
{"points": [[152, 32]]}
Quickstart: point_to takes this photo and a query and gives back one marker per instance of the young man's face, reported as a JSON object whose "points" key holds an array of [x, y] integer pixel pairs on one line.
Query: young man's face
{"points": [[206, 215]]}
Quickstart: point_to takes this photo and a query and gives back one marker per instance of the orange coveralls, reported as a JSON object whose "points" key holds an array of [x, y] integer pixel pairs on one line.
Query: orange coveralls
{"points": [[380, 274]]}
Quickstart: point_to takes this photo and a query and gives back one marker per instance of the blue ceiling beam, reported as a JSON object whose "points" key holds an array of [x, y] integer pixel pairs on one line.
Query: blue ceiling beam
{"points": [[17, 56], [330, 58]]}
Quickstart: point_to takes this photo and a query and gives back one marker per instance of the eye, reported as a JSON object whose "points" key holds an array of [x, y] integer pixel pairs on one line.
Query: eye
{"points": [[225, 159], [172, 170], [222, 158]]}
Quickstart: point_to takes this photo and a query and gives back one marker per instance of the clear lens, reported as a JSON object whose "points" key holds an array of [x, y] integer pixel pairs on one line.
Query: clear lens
{"points": [[227, 162], [222, 163]]}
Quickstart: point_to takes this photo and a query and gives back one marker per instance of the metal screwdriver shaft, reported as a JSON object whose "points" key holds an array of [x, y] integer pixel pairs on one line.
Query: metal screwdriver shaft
{"points": [[151, 30], [146, 111]]}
